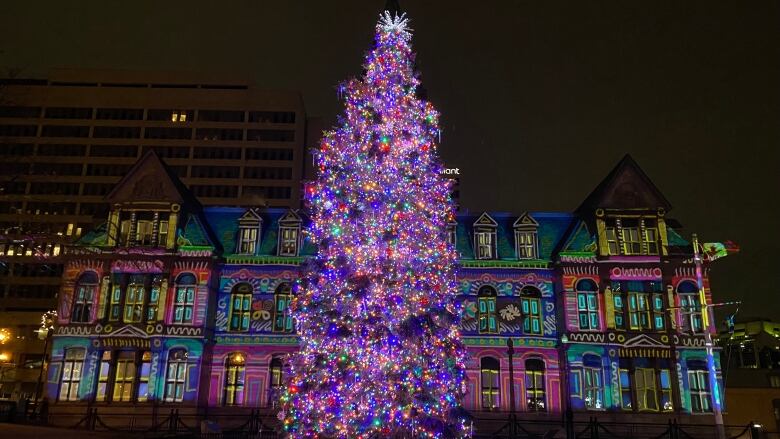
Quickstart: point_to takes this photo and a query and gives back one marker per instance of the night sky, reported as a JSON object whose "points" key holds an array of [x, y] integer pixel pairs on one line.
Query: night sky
{"points": [[539, 99]]}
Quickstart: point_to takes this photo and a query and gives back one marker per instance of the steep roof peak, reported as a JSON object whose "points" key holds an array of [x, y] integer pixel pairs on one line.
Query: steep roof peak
{"points": [[626, 187], [151, 180]]}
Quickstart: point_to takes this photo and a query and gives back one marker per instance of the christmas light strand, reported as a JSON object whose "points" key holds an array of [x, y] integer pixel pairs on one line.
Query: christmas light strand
{"points": [[380, 347]]}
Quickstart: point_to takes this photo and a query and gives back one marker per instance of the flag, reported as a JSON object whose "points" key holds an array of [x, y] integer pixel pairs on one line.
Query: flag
{"points": [[717, 250]]}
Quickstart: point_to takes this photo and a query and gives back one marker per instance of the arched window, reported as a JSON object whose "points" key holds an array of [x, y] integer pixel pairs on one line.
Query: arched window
{"points": [[587, 305], [72, 367], [490, 371], [276, 380], [240, 307], [592, 382], [531, 301], [699, 386], [235, 365], [84, 297], [176, 375], [534, 385], [690, 306], [488, 324], [282, 318], [184, 299]]}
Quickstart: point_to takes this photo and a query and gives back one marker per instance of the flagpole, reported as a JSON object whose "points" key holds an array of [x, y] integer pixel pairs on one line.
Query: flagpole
{"points": [[720, 430]]}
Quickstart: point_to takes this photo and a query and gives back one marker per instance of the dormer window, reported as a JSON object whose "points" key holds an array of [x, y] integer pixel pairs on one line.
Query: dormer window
{"points": [[526, 244], [452, 235], [289, 234], [486, 242], [526, 239], [143, 229], [247, 244], [288, 241], [631, 236], [248, 233], [485, 237]]}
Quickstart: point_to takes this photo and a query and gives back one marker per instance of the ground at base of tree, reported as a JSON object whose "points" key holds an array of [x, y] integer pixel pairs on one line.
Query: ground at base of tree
{"points": [[21, 431]]}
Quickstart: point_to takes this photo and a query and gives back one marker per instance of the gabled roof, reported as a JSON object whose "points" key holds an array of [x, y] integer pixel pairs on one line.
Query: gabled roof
{"points": [[290, 216], [580, 240], [194, 233], [625, 187], [485, 220], [525, 220], [151, 180], [251, 214]]}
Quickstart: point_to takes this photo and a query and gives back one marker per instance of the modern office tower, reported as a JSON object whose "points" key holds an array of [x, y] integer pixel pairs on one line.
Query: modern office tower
{"points": [[67, 139]]}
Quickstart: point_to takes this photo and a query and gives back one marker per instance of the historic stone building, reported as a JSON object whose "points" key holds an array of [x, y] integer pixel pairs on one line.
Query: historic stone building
{"points": [[173, 305]]}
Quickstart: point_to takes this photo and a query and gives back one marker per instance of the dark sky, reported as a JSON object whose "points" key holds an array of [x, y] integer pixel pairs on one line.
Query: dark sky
{"points": [[539, 98]]}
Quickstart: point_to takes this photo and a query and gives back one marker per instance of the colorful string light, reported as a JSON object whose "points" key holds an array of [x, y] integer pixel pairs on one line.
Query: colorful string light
{"points": [[380, 350]]}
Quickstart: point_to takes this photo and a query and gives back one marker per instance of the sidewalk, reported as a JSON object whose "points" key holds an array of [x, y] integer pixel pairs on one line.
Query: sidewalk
{"points": [[21, 431]]}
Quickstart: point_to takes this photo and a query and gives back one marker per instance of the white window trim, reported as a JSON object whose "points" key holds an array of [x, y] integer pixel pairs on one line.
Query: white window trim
{"points": [[240, 238], [534, 247], [491, 232], [280, 238]]}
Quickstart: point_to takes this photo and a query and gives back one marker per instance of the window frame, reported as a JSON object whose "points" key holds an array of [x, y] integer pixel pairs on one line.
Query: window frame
{"points": [[244, 311], [631, 240], [490, 383], [700, 393], [144, 370], [646, 389], [487, 317], [186, 291], [485, 239], [84, 299], [105, 386], [635, 310], [176, 375], [690, 306], [452, 234], [275, 379], [590, 309], [157, 286], [289, 246], [248, 237], [530, 298], [535, 385], [234, 383], [73, 381], [283, 321], [123, 388], [593, 383], [134, 300], [526, 244]]}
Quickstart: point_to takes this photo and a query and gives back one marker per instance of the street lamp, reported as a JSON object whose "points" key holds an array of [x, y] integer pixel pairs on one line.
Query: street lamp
{"points": [[5, 335], [44, 333], [512, 427]]}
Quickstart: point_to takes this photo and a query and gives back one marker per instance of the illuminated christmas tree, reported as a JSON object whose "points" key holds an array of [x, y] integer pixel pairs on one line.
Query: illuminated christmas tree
{"points": [[380, 351]]}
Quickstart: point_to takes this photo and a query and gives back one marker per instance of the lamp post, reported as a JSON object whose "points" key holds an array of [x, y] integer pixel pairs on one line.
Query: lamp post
{"points": [[512, 427], [47, 327], [5, 358], [720, 430]]}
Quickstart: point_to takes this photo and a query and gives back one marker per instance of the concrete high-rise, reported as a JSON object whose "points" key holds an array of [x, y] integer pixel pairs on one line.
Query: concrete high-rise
{"points": [[66, 140]]}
